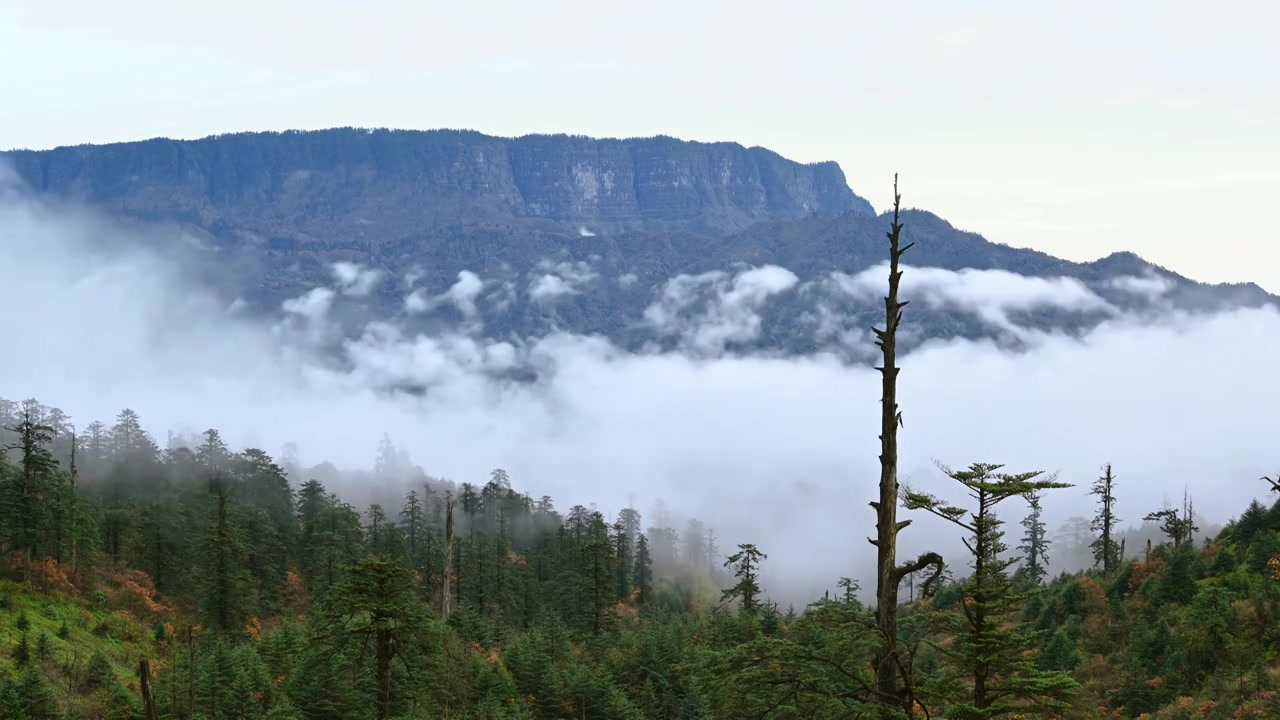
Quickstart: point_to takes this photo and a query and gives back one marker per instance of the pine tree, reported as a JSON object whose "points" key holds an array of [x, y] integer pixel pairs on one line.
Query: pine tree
{"points": [[746, 567], [413, 522], [375, 601], [22, 650], [43, 646], [1001, 677], [223, 691], [1060, 653], [1178, 526], [1035, 546], [643, 572], [623, 562], [224, 601], [1105, 550], [32, 698], [27, 495]]}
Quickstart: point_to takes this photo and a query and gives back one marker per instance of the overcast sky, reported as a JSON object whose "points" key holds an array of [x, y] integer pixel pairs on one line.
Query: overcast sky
{"points": [[1077, 128]]}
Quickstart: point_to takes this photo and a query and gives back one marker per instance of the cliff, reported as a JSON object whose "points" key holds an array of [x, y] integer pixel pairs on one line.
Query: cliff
{"points": [[329, 186]]}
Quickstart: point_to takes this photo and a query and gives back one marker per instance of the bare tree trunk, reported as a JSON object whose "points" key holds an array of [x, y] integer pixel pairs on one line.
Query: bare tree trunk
{"points": [[447, 580], [382, 652], [191, 670], [893, 687], [148, 700]]}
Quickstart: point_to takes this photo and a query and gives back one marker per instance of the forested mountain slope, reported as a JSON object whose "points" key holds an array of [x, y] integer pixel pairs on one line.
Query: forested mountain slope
{"points": [[254, 596]]}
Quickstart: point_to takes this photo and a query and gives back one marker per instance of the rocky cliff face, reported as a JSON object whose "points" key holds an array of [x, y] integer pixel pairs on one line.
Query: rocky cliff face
{"points": [[626, 239], [329, 186]]}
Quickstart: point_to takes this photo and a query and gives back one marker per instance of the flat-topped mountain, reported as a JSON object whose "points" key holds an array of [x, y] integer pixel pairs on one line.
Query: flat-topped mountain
{"points": [[329, 186], [649, 242]]}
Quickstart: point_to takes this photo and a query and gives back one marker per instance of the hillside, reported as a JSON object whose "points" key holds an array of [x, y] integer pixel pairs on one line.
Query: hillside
{"points": [[256, 594], [562, 233]]}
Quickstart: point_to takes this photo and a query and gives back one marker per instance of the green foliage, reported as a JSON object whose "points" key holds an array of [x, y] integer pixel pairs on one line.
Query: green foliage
{"points": [[991, 673], [309, 608]]}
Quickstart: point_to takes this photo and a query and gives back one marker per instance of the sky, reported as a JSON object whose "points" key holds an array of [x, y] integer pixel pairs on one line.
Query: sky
{"points": [[1078, 128]]}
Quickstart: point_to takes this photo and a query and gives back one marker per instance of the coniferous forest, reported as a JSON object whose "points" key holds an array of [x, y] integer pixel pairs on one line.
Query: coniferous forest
{"points": [[197, 581]]}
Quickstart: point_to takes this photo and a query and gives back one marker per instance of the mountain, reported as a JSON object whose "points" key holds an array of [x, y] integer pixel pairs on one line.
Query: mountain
{"points": [[350, 186], [636, 240]]}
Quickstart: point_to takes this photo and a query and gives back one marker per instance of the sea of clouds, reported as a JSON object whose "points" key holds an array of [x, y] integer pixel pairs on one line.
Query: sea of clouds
{"points": [[778, 451]]}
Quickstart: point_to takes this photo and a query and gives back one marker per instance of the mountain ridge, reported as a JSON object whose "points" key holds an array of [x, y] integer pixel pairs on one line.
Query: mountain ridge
{"points": [[409, 178], [566, 233]]}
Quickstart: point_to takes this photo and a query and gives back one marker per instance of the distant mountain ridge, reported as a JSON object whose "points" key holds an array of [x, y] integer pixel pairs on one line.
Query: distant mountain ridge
{"points": [[318, 186], [566, 233]]}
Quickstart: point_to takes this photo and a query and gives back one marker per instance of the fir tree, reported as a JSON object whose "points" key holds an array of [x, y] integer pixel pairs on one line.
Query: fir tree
{"points": [[43, 646], [224, 597], [1035, 546], [643, 572], [1106, 552], [746, 567], [26, 497], [22, 650], [375, 602], [999, 676]]}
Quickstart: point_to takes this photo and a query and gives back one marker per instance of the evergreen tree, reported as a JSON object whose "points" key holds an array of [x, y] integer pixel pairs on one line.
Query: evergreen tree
{"points": [[746, 567], [224, 601], [1000, 676], [1178, 526], [375, 601], [413, 521], [222, 692], [643, 572], [1106, 552], [1035, 546], [27, 495]]}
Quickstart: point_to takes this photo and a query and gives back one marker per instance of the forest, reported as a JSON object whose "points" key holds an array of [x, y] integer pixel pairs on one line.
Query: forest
{"points": [[197, 581]]}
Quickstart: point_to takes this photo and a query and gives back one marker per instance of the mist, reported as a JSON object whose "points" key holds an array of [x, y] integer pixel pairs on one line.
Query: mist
{"points": [[776, 451]]}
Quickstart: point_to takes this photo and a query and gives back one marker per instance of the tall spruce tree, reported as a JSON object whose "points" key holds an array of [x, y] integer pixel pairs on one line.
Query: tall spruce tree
{"points": [[643, 571], [1106, 552], [28, 494], [1035, 544], [375, 602]]}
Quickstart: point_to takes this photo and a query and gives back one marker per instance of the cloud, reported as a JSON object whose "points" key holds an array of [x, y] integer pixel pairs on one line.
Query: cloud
{"points": [[711, 310], [417, 302], [312, 305], [354, 279], [559, 279], [462, 295], [990, 295], [772, 450], [1150, 286]]}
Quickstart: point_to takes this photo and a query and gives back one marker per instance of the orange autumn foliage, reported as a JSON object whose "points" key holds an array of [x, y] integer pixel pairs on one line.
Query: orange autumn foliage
{"points": [[137, 593], [51, 575], [254, 628], [1143, 571], [293, 593]]}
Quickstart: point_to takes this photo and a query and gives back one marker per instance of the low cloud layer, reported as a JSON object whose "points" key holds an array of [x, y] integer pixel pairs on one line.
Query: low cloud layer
{"points": [[781, 452]]}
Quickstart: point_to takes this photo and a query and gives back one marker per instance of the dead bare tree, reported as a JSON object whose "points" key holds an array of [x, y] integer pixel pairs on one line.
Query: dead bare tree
{"points": [[447, 579], [144, 684], [894, 685]]}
